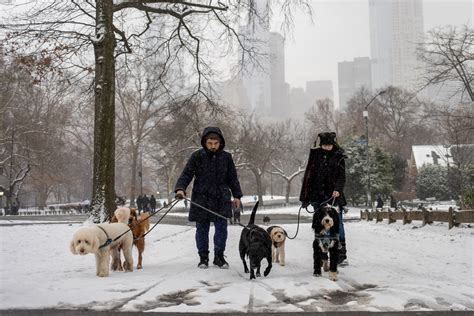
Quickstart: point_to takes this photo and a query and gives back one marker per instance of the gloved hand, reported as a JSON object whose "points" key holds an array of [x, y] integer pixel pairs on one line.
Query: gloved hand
{"points": [[180, 194], [304, 204]]}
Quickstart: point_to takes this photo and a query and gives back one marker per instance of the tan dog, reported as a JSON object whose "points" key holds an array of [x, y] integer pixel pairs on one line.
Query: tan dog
{"points": [[278, 236], [139, 225], [94, 239]]}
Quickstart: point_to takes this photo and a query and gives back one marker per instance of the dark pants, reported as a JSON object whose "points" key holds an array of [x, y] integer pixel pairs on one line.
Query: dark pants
{"points": [[220, 235]]}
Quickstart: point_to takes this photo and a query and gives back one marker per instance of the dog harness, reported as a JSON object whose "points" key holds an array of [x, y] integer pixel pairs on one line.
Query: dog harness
{"points": [[108, 241]]}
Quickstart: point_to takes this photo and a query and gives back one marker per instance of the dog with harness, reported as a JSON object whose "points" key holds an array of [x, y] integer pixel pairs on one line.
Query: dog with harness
{"points": [[255, 243], [326, 241]]}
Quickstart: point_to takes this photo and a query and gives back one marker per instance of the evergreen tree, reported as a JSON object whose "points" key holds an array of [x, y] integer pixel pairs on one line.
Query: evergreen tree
{"points": [[432, 181]]}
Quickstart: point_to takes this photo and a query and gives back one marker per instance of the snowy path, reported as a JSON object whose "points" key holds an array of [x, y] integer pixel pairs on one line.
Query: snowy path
{"points": [[392, 268]]}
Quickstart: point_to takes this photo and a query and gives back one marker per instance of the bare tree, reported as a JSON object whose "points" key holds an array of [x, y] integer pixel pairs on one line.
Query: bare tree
{"points": [[448, 57], [290, 160], [56, 31], [258, 143]]}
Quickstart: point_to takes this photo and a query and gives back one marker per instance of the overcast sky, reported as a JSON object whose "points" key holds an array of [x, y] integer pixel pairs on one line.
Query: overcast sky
{"points": [[340, 32]]}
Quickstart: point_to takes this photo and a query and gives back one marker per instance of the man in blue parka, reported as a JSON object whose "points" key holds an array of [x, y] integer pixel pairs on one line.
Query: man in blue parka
{"points": [[215, 183]]}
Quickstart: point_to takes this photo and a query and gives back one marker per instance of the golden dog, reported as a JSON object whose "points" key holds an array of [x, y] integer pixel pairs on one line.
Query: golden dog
{"points": [[278, 236]]}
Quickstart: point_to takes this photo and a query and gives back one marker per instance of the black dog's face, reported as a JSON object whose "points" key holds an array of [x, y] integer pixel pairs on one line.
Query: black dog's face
{"points": [[328, 219]]}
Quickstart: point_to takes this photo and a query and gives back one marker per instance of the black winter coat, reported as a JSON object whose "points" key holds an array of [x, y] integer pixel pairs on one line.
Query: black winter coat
{"points": [[325, 173], [215, 178]]}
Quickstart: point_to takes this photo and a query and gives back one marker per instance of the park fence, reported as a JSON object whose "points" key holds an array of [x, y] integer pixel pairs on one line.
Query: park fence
{"points": [[452, 217]]}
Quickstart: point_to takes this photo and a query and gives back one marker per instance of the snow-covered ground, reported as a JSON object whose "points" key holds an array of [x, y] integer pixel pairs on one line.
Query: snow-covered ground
{"points": [[392, 268]]}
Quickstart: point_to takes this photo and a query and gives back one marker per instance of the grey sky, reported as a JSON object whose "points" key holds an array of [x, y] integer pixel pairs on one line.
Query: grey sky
{"points": [[341, 32]]}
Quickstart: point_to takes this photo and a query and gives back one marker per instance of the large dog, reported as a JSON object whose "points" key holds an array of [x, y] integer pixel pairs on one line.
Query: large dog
{"points": [[95, 239], [139, 224], [278, 236], [326, 240], [257, 245]]}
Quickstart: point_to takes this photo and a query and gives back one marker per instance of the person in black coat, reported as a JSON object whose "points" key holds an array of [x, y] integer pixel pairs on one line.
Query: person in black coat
{"points": [[215, 182], [152, 203], [324, 181], [379, 202]]}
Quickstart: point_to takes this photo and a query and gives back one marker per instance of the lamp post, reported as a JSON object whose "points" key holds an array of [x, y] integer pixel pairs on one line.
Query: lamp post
{"points": [[366, 116], [1, 202]]}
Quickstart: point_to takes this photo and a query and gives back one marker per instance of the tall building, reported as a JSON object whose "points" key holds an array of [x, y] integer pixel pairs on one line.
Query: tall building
{"points": [[352, 75], [256, 77], [318, 90], [278, 86], [396, 27]]}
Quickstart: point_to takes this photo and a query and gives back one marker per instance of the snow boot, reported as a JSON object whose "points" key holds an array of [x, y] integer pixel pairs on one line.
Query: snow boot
{"points": [[342, 254], [219, 260], [204, 260]]}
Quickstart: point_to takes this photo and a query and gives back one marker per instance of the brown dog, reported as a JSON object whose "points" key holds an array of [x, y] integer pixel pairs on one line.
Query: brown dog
{"points": [[139, 225]]}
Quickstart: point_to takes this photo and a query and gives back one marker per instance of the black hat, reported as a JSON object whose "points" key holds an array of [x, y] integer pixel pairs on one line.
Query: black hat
{"points": [[328, 138]]}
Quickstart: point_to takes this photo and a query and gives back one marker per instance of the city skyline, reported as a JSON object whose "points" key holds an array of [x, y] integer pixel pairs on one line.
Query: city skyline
{"points": [[314, 50]]}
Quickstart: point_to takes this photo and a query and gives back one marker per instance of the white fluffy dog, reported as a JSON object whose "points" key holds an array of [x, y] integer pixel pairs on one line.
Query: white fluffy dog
{"points": [[278, 236], [94, 239]]}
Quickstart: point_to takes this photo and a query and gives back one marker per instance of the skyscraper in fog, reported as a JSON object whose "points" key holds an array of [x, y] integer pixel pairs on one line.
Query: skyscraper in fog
{"points": [[352, 75], [279, 90], [256, 78], [396, 27]]}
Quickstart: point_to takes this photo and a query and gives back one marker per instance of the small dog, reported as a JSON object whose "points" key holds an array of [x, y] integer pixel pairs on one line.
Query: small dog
{"points": [[257, 245], [139, 225], [94, 240], [326, 239], [278, 236], [266, 220]]}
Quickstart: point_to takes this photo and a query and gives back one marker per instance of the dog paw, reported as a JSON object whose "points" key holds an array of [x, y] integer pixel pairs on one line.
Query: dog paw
{"points": [[252, 277], [266, 272], [333, 276], [139, 266], [282, 264], [316, 274]]}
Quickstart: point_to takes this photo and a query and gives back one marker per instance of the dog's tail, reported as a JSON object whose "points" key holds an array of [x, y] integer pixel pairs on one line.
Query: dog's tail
{"points": [[252, 217]]}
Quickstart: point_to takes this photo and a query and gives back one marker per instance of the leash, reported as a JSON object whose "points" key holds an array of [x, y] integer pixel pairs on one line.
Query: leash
{"points": [[212, 212], [306, 208], [173, 203], [109, 240]]}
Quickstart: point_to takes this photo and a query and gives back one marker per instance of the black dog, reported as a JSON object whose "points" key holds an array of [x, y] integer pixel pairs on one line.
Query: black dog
{"points": [[326, 239], [257, 245], [266, 220]]}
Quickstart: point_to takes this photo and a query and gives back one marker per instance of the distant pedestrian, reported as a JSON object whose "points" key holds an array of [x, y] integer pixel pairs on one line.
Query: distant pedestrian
{"points": [[237, 211], [379, 202], [152, 203], [393, 202], [146, 203], [140, 203]]}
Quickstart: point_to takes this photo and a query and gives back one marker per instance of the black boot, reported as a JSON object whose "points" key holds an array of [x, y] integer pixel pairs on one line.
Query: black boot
{"points": [[204, 260], [343, 254], [220, 261]]}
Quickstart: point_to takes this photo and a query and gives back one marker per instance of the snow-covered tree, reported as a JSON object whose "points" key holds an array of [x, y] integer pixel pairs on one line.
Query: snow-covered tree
{"points": [[432, 181]]}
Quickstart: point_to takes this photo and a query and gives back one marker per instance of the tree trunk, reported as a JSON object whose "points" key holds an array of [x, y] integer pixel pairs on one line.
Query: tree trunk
{"points": [[288, 188], [103, 188]]}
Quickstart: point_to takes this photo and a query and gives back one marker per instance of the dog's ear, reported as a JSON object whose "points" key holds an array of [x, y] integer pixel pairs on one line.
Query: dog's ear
{"points": [[72, 248], [95, 244]]}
